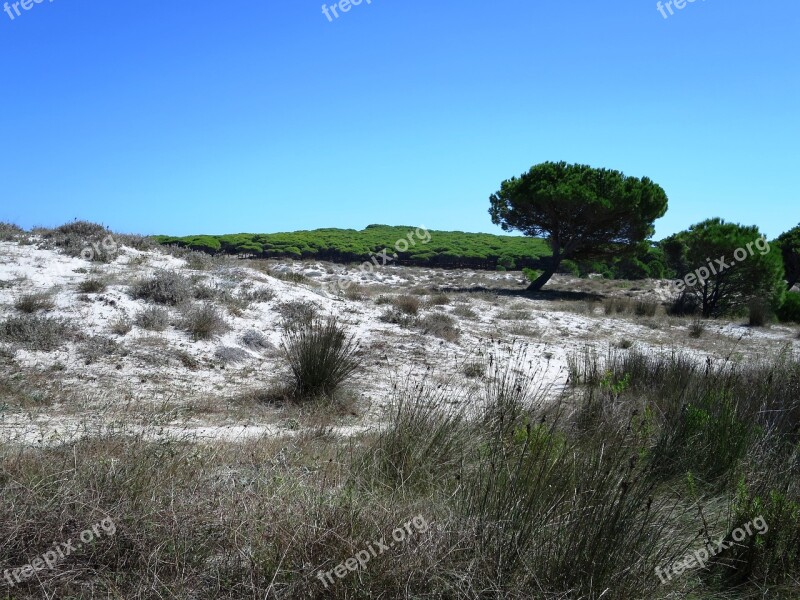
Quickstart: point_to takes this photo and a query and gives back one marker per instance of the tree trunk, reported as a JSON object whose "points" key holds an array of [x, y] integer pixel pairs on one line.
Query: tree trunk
{"points": [[548, 272]]}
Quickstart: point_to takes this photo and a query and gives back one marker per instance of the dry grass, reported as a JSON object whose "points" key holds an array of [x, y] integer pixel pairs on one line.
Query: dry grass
{"points": [[514, 315], [92, 286], [296, 315], [571, 498], [121, 326], [35, 333], [697, 328], [464, 311], [406, 304], [440, 325], [628, 306], [438, 299], [34, 302]]}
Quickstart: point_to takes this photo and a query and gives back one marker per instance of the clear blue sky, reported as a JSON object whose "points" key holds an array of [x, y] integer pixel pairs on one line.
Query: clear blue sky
{"points": [[217, 117]]}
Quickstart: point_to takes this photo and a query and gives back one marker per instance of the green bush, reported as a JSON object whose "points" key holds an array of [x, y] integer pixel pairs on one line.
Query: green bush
{"points": [[571, 267], [531, 274], [506, 262], [790, 309]]}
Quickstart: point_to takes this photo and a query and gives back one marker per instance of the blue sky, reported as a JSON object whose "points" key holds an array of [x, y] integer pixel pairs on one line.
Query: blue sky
{"points": [[218, 117]]}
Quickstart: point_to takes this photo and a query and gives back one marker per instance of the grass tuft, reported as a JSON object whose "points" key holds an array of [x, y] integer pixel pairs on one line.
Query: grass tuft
{"points": [[322, 355], [34, 302]]}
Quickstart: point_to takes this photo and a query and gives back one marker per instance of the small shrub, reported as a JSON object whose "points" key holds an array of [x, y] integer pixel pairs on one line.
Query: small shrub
{"points": [[9, 231], [255, 340], [230, 355], [441, 325], [121, 326], [235, 303], [187, 360], [640, 308], [34, 302], [396, 317], [199, 261], [258, 294], [35, 333], [408, 305], [465, 312], [790, 309], [356, 293], [165, 287], [97, 347], [89, 241], [135, 241], [506, 263], [204, 322], [296, 315], [697, 328], [321, 356], [153, 318], [291, 277], [205, 292], [84, 229], [92, 286], [438, 300]]}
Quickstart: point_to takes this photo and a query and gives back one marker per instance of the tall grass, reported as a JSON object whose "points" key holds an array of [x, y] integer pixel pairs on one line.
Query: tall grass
{"points": [[579, 497], [322, 355]]}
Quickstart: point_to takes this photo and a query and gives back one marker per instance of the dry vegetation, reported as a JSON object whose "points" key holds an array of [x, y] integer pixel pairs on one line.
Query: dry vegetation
{"points": [[246, 430]]}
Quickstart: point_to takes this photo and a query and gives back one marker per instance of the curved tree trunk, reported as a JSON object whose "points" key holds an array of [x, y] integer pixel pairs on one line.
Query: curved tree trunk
{"points": [[548, 272]]}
